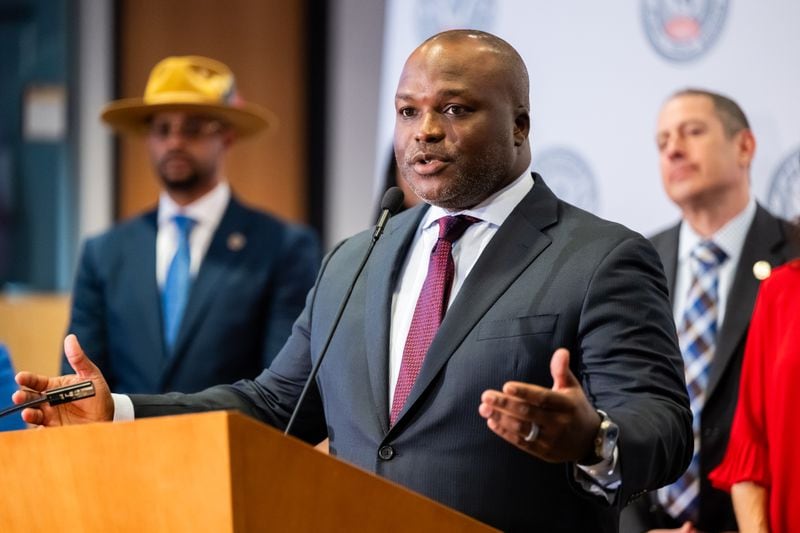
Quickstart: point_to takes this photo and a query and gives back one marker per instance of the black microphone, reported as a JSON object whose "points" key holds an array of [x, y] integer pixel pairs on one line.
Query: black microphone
{"points": [[66, 394], [390, 204]]}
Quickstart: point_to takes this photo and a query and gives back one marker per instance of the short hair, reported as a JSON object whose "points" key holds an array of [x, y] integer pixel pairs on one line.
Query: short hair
{"points": [[728, 111]]}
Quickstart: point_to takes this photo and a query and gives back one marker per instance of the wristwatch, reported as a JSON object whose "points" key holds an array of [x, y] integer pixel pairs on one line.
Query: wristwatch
{"points": [[606, 439]]}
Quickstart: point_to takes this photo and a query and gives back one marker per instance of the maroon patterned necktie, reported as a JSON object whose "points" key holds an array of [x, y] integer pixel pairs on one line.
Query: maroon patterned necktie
{"points": [[430, 309]]}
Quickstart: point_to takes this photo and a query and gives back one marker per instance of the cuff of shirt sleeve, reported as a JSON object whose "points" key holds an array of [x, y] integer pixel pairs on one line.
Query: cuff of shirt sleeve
{"points": [[601, 479], [123, 407]]}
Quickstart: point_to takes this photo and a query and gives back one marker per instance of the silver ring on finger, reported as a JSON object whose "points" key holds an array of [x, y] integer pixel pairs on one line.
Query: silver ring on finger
{"points": [[533, 433]]}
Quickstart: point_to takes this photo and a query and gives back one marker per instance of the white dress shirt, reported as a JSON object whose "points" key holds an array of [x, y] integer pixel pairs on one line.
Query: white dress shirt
{"points": [[206, 211], [730, 238]]}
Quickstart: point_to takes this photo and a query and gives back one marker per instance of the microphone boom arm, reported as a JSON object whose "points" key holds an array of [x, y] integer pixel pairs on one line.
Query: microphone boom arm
{"points": [[392, 200]]}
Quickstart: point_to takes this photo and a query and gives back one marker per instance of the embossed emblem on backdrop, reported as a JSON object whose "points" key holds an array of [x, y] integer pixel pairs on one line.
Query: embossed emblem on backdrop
{"points": [[569, 176], [784, 190], [683, 30], [433, 16]]}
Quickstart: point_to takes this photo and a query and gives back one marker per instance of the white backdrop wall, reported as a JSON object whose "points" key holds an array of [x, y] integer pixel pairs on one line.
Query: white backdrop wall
{"points": [[354, 58], [599, 74]]}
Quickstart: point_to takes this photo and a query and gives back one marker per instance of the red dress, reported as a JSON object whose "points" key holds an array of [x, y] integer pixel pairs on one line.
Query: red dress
{"points": [[765, 438]]}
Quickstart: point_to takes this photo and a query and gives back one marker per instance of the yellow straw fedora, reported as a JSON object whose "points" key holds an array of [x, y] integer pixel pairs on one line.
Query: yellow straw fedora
{"points": [[189, 83]]}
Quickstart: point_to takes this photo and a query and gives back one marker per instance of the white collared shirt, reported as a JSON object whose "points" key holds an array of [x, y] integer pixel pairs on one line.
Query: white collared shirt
{"points": [[492, 212], [206, 211], [730, 238]]}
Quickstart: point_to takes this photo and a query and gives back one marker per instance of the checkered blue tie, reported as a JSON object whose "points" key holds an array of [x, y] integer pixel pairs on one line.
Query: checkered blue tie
{"points": [[697, 335], [176, 287]]}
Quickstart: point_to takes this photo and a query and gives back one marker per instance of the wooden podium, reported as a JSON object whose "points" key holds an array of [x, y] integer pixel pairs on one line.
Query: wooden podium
{"points": [[213, 472]]}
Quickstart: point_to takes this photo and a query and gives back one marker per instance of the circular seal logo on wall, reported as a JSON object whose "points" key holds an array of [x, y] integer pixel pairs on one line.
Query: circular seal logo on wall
{"points": [[434, 16], [784, 191], [569, 177], [683, 30]]}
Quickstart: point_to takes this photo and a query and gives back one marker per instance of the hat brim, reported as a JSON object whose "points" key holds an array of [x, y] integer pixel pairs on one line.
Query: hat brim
{"points": [[130, 115]]}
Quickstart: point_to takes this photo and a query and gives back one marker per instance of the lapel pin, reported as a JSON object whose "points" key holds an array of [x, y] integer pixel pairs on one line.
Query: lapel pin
{"points": [[236, 241], [762, 270]]}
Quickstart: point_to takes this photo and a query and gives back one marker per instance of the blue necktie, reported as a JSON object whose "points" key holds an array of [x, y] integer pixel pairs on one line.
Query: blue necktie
{"points": [[179, 279], [697, 336]]}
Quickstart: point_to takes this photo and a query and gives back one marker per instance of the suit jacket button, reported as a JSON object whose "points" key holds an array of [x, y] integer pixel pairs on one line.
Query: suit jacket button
{"points": [[386, 452]]}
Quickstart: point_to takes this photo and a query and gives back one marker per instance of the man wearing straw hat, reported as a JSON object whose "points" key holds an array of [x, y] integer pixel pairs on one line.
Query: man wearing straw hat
{"points": [[202, 290]]}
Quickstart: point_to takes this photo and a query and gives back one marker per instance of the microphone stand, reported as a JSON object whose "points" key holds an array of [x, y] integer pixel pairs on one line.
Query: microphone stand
{"points": [[391, 202]]}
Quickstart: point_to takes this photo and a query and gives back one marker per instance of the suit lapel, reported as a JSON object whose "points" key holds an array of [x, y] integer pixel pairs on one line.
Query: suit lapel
{"points": [[382, 276], [668, 251], [142, 260], [228, 242], [513, 248], [764, 241]]}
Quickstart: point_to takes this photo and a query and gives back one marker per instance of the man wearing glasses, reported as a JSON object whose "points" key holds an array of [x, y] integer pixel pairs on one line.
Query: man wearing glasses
{"points": [[202, 290]]}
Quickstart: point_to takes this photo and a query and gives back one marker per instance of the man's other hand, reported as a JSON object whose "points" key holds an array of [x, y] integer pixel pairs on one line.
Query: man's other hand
{"points": [[97, 408]]}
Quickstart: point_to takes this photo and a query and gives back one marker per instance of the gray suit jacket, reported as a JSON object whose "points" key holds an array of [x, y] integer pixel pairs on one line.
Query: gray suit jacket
{"points": [[552, 276], [767, 240]]}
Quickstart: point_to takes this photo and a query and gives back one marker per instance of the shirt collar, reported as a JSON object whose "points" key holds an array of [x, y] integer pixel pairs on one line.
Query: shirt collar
{"points": [[206, 210], [494, 209], [730, 237]]}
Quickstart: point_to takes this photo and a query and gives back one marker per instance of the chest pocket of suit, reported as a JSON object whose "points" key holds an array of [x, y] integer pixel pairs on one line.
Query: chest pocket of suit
{"points": [[517, 327], [519, 348]]}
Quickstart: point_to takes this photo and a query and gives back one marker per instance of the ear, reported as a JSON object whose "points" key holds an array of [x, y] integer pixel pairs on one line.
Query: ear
{"points": [[746, 145], [522, 127]]}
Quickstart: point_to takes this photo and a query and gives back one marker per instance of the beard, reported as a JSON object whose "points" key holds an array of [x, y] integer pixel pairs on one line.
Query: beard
{"points": [[186, 181], [470, 183], [189, 182]]}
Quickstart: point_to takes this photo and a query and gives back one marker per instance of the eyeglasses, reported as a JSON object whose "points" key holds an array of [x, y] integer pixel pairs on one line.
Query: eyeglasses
{"points": [[190, 129]]}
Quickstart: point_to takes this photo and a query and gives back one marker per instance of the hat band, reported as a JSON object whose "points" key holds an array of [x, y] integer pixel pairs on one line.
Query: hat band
{"points": [[181, 97]]}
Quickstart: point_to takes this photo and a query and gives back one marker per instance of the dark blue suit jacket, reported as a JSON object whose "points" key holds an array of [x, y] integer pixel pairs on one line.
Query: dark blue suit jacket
{"points": [[250, 288], [552, 276]]}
